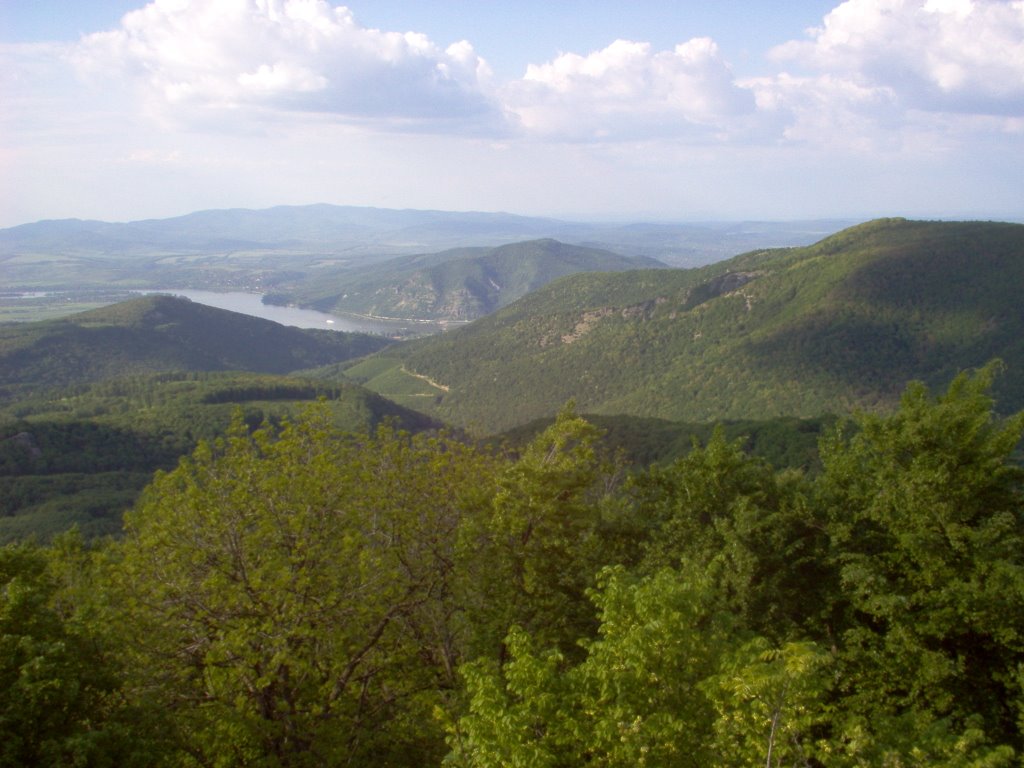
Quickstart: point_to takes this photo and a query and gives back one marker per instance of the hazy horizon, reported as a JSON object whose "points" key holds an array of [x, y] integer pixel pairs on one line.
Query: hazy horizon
{"points": [[582, 111], [610, 220]]}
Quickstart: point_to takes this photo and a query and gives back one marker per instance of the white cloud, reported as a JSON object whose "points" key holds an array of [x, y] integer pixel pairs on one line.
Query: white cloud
{"points": [[962, 56], [861, 80], [890, 106], [877, 75], [290, 56], [627, 91], [830, 112]]}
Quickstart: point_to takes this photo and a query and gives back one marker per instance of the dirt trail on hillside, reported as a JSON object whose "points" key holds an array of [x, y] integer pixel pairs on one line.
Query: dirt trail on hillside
{"points": [[427, 379]]}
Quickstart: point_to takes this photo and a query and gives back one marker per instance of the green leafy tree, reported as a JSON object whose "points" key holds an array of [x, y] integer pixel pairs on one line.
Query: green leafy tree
{"points": [[530, 560], [60, 702], [771, 705], [752, 529], [635, 699], [287, 595], [927, 527], [517, 712]]}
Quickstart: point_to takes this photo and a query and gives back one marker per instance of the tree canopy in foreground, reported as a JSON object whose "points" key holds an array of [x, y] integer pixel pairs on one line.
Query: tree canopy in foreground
{"points": [[302, 596]]}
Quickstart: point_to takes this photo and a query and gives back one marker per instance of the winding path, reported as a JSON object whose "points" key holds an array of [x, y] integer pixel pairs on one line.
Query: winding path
{"points": [[427, 379]]}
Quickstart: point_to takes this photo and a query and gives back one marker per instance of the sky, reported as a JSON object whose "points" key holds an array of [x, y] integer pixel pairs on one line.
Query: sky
{"points": [[658, 110]]}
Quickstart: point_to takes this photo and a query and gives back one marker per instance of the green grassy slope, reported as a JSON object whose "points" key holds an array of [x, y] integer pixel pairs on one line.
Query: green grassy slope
{"points": [[461, 284], [839, 325], [161, 333]]}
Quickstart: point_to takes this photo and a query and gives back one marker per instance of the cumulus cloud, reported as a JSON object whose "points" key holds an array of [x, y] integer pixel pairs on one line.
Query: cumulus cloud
{"points": [[627, 90], [960, 56], [875, 75], [198, 60], [288, 55], [828, 111], [871, 72]]}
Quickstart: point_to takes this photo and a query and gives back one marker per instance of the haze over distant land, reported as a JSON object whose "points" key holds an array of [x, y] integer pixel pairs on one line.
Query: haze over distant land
{"points": [[640, 111], [413, 265], [283, 237]]}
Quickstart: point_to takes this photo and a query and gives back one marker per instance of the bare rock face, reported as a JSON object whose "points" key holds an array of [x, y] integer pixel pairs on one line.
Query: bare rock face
{"points": [[722, 285], [26, 442]]}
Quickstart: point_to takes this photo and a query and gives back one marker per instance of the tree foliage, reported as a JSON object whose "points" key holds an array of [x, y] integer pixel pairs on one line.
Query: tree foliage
{"points": [[297, 595], [60, 684], [928, 534], [530, 561], [290, 592]]}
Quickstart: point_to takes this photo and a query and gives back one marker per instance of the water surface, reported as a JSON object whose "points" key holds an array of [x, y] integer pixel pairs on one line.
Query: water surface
{"points": [[252, 304]]}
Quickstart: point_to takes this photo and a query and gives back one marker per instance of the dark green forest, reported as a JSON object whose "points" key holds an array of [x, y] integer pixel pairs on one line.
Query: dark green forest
{"points": [[157, 334], [829, 328], [302, 595], [82, 456], [684, 518], [461, 284], [92, 405]]}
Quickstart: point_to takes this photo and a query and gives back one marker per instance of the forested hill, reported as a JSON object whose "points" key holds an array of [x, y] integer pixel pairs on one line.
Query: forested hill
{"points": [[162, 333], [301, 597], [460, 284], [836, 326]]}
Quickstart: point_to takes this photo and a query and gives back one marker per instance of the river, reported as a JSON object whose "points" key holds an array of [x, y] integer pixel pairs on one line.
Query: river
{"points": [[252, 304]]}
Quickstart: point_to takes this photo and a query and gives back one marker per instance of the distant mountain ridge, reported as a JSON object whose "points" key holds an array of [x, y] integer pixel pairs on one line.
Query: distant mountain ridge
{"points": [[246, 249], [840, 325], [456, 285], [279, 227]]}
